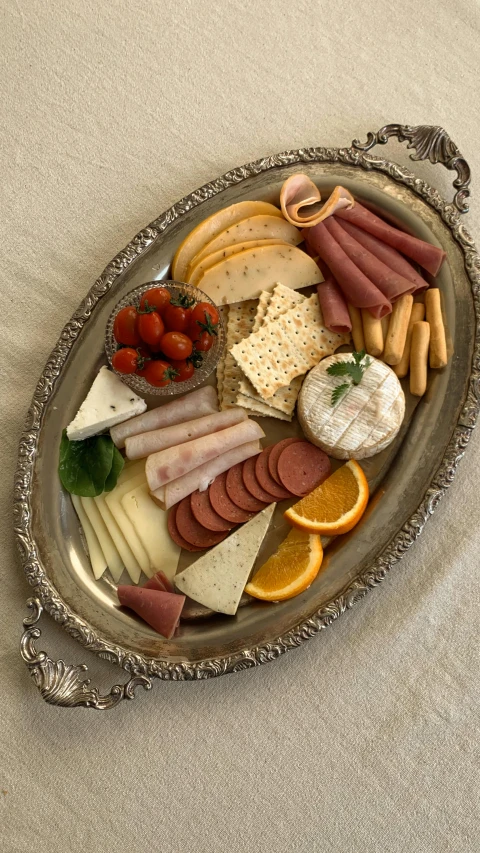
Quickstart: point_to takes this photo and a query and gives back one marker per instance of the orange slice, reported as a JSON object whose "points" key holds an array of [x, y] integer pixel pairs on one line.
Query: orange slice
{"points": [[291, 570], [334, 507]]}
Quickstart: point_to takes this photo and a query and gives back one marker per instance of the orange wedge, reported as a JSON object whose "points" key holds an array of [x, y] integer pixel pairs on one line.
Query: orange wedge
{"points": [[291, 570], [334, 507]]}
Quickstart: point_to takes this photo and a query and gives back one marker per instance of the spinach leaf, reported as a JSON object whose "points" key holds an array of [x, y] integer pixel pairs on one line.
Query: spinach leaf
{"points": [[85, 465], [117, 464]]}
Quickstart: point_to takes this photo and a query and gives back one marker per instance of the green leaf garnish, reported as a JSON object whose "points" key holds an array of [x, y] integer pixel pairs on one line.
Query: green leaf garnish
{"points": [[353, 369], [339, 391], [89, 467], [117, 465]]}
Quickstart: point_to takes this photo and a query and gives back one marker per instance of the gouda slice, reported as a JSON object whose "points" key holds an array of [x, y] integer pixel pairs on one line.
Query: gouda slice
{"points": [[197, 268], [252, 228]]}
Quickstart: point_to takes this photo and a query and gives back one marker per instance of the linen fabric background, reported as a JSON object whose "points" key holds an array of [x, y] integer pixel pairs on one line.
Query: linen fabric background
{"points": [[367, 738]]}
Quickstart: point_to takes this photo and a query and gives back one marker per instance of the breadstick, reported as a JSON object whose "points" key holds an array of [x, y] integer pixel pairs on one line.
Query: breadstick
{"points": [[397, 330], [385, 327], [438, 344], [373, 333], [418, 313], [419, 358], [357, 328]]}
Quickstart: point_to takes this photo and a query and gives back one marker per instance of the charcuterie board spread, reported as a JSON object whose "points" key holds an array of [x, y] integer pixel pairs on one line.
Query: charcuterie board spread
{"points": [[331, 317]]}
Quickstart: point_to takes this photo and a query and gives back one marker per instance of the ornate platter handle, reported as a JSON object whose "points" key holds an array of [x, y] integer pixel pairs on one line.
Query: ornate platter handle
{"points": [[430, 143], [62, 684]]}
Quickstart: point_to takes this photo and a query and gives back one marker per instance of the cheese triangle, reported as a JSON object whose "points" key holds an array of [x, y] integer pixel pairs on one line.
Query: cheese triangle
{"points": [[218, 578]]}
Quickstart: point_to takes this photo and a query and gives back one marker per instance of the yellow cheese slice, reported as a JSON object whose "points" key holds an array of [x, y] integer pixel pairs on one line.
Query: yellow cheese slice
{"points": [[114, 561], [113, 500], [251, 228], [210, 227], [97, 559], [150, 522], [197, 268], [245, 274], [129, 561]]}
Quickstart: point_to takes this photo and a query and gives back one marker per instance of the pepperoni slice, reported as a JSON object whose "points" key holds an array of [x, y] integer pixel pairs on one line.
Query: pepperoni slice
{"points": [[302, 467], [206, 515], [275, 454], [265, 478], [222, 504], [193, 532], [251, 483], [239, 494], [174, 533]]}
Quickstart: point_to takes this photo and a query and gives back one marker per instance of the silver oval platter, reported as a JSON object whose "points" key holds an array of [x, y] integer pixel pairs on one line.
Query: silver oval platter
{"points": [[406, 480]]}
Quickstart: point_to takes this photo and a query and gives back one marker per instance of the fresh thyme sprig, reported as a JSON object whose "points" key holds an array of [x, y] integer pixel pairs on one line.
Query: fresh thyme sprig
{"points": [[354, 370]]}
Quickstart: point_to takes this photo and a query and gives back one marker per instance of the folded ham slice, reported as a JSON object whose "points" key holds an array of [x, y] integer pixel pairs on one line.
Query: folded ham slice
{"points": [[301, 205], [203, 401], [159, 581], [170, 464], [332, 303], [138, 446], [391, 283], [429, 257], [200, 478], [160, 610], [387, 254], [357, 288]]}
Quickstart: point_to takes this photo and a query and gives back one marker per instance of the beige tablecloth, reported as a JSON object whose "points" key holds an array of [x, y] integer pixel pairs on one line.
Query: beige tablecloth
{"points": [[366, 739]]}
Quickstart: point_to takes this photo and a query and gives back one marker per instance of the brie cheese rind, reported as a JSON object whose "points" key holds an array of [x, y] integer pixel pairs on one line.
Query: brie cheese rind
{"points": [[108, 402], [363, 422]]}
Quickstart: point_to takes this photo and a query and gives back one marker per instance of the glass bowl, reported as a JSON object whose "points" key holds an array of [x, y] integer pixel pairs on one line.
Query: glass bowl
{"points": [[210, 358]]}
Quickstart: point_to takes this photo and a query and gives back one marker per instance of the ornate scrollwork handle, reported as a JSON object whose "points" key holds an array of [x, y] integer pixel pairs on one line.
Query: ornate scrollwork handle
{"points": [[63, 684], [429, 142]]}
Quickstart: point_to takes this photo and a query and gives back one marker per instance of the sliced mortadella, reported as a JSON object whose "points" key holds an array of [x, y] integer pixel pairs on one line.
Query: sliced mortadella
{"points": [[332, 303], [300, 201], [357, 288], [391, 283], [387, 254], [139, 446], [429, 257], [160, 610], [160, 582]]}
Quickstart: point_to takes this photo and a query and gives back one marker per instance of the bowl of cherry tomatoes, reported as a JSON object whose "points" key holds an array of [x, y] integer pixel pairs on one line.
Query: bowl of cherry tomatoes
{"points": [[164, 337]]}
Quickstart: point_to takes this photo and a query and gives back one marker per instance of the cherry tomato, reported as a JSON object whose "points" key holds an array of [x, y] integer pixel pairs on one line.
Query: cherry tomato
{"points": [[156, 297], [125, 327], [158, 373], [202, 308], [184, 368], [175, 345], [125, 360], [151, 328], [204, 342], [177, 318]]}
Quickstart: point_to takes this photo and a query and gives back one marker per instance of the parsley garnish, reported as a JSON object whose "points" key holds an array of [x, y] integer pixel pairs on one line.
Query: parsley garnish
{"points": [[353, 369]]}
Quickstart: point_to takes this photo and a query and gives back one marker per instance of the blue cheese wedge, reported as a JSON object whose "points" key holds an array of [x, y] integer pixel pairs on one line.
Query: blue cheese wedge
{"points": [[108, 402], [217, 579], [363, 422]]}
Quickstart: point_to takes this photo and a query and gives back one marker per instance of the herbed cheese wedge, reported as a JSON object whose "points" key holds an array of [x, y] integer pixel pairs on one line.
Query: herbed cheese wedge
{"points": [[108, 402], [114, 503], [196, 269], [150, 523], [114, 561], [252, 228], [247, 273], [363, 422], [218, 578], [97, 558], [210, 227]]}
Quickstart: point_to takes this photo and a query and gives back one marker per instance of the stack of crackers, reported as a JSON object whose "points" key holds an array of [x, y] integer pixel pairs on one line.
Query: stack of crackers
{"points": [[271, 343]]}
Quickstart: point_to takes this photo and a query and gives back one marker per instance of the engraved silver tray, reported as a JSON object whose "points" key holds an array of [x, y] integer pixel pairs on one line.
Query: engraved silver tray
{"points": [[407, 480]]}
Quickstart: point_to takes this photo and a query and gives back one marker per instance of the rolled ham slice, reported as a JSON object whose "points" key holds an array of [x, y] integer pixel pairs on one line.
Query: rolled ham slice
{"points": [[160, 610], [300, 201], [138, 446], [387, 254], [200, 478], [391, 283], [203, 401], [170, 464], [332, 303], [356, 287], [429, 257]]}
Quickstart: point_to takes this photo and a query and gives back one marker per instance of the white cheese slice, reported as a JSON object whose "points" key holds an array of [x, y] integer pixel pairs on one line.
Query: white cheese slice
{"points": [[150, 523], [363, 422], [114, 561], [114, 502], [217, 579], [108, 402], [129, 561], [97, 558]]}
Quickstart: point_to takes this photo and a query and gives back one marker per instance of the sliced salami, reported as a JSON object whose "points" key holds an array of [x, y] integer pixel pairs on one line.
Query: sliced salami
{"points": [[275, 455], [222, 504], [251, 483], [302, 467], [175, 534], [265, 478], [239, 494], [206, 515], [193, 532]]}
